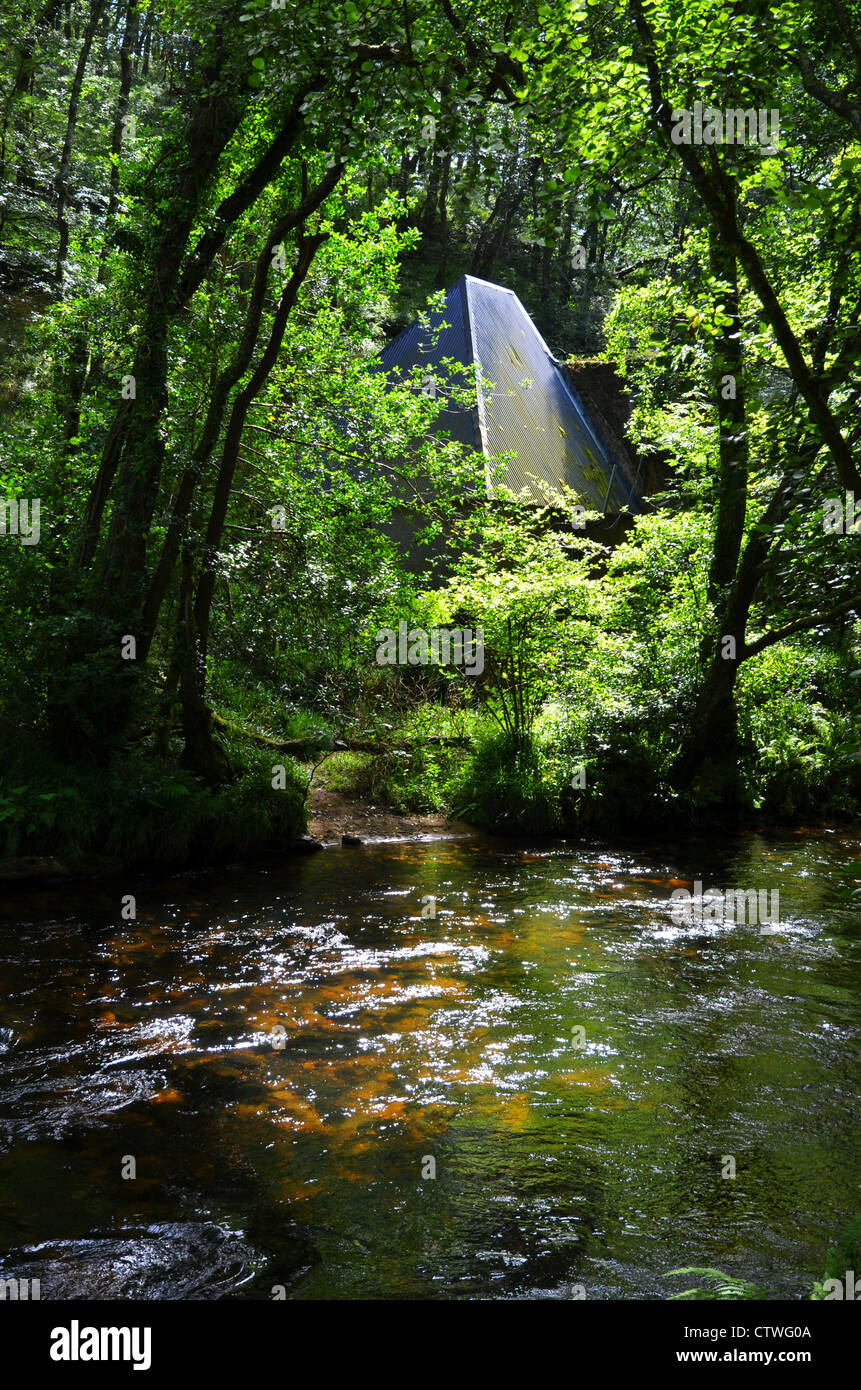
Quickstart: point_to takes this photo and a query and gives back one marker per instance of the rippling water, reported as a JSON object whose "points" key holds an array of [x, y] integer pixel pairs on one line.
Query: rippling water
{"points": [[283, 1053]]}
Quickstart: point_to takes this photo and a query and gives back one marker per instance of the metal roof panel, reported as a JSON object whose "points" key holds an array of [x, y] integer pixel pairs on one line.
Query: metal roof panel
{"points": [[529, 408]]}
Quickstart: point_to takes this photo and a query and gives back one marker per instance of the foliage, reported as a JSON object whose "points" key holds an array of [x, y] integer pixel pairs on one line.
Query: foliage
{"points": [[720, 1286], [140, 810], [845, 1255], [233, 212], [796, 710], [503, 787]]}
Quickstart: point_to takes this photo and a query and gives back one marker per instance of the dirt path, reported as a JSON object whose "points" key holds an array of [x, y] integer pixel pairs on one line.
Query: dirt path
{"points": [[332, 815]]}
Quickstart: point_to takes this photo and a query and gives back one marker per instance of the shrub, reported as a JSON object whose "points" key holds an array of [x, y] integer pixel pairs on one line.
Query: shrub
{"points": [[510, 785], [140, 808]]}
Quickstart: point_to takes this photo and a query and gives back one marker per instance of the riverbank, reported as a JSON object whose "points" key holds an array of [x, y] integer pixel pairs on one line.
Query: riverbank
{"points": [[333, 819], [338, 821], [140, 809]]}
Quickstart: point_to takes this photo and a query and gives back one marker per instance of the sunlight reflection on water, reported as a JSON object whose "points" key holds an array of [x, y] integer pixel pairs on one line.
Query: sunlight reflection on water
{"points": [[560, 1158]]}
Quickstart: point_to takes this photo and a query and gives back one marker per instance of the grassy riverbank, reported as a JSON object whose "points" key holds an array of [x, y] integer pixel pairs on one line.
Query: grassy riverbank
{"points": [[585, 774]]}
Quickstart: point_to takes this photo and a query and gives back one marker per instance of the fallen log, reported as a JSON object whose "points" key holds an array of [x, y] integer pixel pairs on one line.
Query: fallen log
{"points": [[326, 743]]}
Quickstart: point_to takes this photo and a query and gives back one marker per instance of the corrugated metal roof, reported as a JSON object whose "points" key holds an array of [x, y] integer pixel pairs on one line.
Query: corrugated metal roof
{"points": [[530, 408]]}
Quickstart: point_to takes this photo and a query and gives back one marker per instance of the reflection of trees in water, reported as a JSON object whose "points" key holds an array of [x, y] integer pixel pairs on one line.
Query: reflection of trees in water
{"points": [[556, 1165]]}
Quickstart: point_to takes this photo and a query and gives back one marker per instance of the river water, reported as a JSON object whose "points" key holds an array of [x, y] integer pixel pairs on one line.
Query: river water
{"points": [[530, 1091]]}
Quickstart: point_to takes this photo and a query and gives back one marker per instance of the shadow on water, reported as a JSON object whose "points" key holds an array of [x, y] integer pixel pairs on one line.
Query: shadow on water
{"points": [[455, 1069]]}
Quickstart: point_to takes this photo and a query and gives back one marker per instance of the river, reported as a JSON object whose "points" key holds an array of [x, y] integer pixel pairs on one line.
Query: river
{"points": [[449, 1069]]}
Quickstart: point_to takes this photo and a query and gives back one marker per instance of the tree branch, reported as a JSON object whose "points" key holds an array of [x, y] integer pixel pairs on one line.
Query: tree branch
{"points": [[800, 625]]}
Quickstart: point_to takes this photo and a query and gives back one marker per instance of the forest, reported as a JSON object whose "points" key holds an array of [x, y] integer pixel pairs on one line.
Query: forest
{"points": [[230, 537], [212, 221]]}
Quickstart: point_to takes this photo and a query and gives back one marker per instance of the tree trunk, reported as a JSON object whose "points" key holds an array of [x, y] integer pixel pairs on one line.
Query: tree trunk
{"points": [[65, 170], [444, 230], [709, 750], [128, 41], [77, 374], [218, 402], [133, 450], [201, 753], [25, 71], [729, 396], [146, 42], [709, 754]]}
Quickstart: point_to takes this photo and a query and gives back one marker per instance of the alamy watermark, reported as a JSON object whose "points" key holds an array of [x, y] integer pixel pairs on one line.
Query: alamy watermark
{"points": [[840, 520], [710, 126], [19, 1289], [444, 646], [21, 516], [77, 1343], [849, 1288], [757, 906]]}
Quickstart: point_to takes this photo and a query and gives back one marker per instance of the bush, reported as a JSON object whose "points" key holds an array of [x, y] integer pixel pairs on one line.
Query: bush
{"points": [[141, 809], [623, 753], [844, 1256], [800, 745], [510, 787]]}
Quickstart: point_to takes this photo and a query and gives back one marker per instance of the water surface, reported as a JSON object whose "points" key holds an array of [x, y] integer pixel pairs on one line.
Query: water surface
{"points": [[285, 1053]]}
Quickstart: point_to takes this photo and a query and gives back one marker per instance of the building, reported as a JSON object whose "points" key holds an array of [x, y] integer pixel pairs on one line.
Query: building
{"points": [[562, 425]]}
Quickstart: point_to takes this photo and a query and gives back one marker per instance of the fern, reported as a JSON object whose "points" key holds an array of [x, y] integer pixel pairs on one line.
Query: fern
{"points": [[724, 1286], [843, 1256]]}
